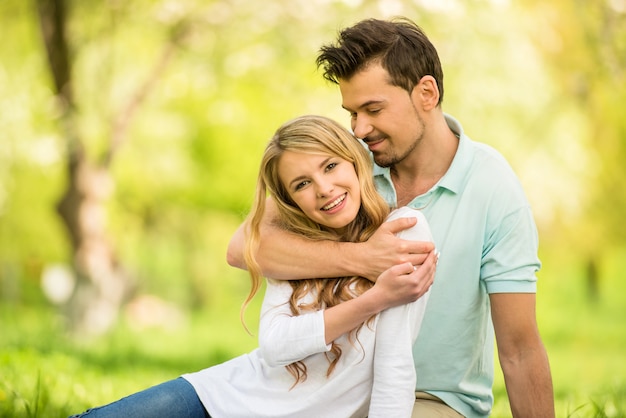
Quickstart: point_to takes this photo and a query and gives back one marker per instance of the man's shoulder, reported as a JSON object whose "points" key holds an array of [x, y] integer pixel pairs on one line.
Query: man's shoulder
{"points": [[488, 154], [489, 163], [491, 178], [477, 153]]}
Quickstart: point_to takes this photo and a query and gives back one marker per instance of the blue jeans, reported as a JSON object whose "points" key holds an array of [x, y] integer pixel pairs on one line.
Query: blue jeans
{"points": [[175, 398]]}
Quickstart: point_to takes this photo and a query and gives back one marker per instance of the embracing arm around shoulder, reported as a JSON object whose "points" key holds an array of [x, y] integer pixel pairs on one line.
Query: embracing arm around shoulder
{"points": [[522, 355], [284, 255], [287, 256]]}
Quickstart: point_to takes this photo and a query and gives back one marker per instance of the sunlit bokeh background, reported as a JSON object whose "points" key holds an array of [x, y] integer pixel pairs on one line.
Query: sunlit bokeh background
{"points": [[171, 105]]}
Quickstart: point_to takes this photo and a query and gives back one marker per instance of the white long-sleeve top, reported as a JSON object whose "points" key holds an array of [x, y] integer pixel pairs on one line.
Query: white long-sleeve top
{"points": [[377, 368]]}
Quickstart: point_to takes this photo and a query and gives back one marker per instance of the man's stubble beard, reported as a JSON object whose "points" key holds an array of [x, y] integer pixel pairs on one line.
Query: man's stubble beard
{"points": [[392, 158]]}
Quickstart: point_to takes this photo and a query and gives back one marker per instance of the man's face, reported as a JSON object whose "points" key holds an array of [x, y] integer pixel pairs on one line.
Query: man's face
{"points": [[382, 115]]}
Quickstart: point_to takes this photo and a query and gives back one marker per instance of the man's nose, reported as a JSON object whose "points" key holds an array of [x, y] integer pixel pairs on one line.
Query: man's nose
{"points": [[361, 127]]}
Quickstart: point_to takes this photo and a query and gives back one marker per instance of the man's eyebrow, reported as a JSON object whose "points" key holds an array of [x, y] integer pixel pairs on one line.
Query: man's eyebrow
{"points": [[366, 104]]}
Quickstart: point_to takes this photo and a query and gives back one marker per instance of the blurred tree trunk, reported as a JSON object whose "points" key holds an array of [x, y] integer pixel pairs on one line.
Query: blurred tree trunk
{"points": [[102, 284], [593, 279]]}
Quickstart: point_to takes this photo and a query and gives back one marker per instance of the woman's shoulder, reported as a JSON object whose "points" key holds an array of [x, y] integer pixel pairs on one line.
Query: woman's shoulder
{"points": [[420, 231], [405, 212]]}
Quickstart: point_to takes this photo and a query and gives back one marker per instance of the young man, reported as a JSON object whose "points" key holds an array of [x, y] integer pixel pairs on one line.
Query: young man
{"points": [[391, 83]]}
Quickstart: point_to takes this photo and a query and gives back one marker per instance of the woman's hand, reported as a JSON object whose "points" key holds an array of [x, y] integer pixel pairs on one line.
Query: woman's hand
{"points": [[405, 283], [385, 249]]}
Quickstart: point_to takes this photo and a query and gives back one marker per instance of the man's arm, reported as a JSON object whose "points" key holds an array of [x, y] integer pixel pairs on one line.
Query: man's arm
{"points": [[523, 357], [286, 256]]}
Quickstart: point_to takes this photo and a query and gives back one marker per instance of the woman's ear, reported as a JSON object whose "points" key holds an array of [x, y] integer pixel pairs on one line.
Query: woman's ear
{"points": [[426, 93]]}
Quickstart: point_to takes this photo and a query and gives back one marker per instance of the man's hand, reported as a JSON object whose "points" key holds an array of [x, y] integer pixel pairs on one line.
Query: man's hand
{"points": [[385, 249]]}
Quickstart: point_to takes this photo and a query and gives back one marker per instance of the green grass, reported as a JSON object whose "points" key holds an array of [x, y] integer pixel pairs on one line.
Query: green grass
{"points": [[44, 373]]}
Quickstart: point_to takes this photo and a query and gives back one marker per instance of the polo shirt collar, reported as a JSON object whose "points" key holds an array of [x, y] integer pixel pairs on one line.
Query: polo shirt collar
{"points": [[457, 173]]}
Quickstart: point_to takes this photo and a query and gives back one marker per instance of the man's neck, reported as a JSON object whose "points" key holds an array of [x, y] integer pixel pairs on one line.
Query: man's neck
{"points": [[427, 164]]}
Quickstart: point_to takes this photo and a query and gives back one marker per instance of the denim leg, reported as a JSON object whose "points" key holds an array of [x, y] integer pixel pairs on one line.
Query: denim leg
{"points": [[175, 398]]}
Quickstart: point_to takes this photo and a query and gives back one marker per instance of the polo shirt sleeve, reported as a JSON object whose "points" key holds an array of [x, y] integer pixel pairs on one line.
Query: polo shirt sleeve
{"points": [[283, 337], [510, 262]]}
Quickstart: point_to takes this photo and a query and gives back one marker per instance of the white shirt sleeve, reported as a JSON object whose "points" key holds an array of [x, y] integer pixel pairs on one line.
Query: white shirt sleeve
{"points": [[283, 337], [393, 392]]}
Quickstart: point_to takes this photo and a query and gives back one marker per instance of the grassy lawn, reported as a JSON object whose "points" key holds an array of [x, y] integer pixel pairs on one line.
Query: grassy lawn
{"points": [[46, 374]]}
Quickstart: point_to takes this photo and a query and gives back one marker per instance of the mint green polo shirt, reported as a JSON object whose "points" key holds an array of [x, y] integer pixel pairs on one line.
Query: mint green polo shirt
{"points": [[483, 226]]}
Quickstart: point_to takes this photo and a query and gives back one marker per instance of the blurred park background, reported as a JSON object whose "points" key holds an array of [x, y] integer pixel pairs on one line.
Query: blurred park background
{"points": [[130, 135]]}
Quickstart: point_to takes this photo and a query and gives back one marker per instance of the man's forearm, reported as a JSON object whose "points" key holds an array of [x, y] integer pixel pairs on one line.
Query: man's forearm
{"points": [[522, 355], [287, 256], [529, 385]]}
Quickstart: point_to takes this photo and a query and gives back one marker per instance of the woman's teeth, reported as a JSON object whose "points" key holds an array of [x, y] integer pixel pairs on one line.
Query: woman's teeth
{"points": [[334, 202]]}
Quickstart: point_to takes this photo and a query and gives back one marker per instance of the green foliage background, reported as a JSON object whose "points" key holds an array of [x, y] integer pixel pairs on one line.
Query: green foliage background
{"points": [[544, 82]]}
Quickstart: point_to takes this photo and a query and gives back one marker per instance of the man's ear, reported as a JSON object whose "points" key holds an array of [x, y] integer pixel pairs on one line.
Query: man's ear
{"points": [[426, 93]]}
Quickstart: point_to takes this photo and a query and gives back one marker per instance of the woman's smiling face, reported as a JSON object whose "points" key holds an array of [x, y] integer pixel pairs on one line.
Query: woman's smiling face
{"points": [[325, 187]]}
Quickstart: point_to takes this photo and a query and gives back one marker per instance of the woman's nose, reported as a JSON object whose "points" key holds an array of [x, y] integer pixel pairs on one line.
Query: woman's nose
{"points": [[325, 189]]}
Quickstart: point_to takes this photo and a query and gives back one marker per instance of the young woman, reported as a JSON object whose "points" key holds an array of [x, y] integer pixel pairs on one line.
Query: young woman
{"points": [[316, 356]]}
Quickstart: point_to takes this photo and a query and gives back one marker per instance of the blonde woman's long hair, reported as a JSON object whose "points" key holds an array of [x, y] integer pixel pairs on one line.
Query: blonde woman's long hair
{"points": [[314, 135]]}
